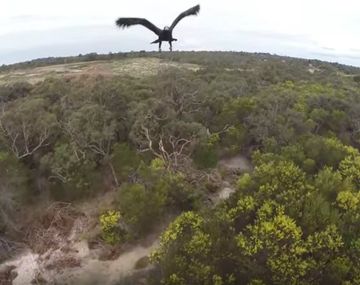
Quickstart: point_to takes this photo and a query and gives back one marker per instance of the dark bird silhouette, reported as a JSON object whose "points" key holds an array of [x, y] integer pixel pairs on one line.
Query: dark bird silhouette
{"points": [[165, 35]]}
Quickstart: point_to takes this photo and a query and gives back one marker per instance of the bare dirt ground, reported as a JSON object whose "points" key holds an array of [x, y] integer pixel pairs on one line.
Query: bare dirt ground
{"points": [[238, 163], [136, 67], [68, 258], [95, 271], [233, 165], [25, 265], [86, 267], [62, 255]]}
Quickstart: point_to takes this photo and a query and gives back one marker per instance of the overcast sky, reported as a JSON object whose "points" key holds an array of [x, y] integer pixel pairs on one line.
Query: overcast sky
{"points": [[322, 29]]}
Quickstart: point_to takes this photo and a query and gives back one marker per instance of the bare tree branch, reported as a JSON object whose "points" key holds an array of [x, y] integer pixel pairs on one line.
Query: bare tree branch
{"points": [[20, 143]]}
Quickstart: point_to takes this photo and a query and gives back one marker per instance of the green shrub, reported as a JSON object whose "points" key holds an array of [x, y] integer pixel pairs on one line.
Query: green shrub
{"points": [[109, 223], [142, 206], [205, 156]]}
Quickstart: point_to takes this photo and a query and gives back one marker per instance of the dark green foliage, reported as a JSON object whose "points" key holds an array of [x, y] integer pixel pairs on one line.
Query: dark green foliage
{"points": [[72, 175], [205, 156], [125, 160], [142, 206], [144, 203], [14, 91], [14, 178]]}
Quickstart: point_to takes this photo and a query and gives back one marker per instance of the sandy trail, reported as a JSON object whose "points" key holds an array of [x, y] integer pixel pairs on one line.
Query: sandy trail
{"points": [[235, 164], [72, 262], [239, 163], [91, 271], [94, 271], [26, 267]]}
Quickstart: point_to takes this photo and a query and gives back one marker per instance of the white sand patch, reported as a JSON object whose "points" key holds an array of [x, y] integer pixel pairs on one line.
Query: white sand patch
{"points": [[238, 162], [225, 193], [94, 271], [91, 271], [27, 266]]}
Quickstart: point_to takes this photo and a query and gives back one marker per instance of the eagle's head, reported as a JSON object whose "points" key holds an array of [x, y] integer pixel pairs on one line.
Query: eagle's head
{"points": [[166, 28]]}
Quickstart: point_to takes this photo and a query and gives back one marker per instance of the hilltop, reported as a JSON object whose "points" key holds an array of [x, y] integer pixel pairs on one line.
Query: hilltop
{"points": [[146, 63], [181, 168]]}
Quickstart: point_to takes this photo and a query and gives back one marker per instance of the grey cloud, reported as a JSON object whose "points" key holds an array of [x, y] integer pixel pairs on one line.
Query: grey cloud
{"points": [[74, 40]]}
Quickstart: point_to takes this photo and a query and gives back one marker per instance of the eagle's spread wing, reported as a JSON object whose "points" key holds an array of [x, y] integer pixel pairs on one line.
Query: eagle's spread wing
{"points": [[127, 22], [192, 11]]}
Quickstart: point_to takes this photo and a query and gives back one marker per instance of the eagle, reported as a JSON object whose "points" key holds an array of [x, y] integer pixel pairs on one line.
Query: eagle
{"points": [[164, 35]]}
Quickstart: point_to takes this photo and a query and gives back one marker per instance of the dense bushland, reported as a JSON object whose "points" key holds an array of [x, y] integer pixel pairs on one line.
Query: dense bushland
{"points": [[156, 142]]}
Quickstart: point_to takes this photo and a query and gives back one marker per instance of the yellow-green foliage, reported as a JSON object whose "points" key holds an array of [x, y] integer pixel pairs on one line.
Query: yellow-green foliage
{"points": [[3, 155], [109, 222], [283, 180], [350, 168], [279, 177], [244, 181], [329, 239], [187, 233], [157, 164], [256, 282], [277, 235], [282, 227], [244, 206], [174, 279], [188, 221], [213, 139], [349, 201]]}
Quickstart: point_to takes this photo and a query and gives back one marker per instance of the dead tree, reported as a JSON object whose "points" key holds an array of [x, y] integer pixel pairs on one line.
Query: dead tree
{"points": [[22, 141], [170, 149]]}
